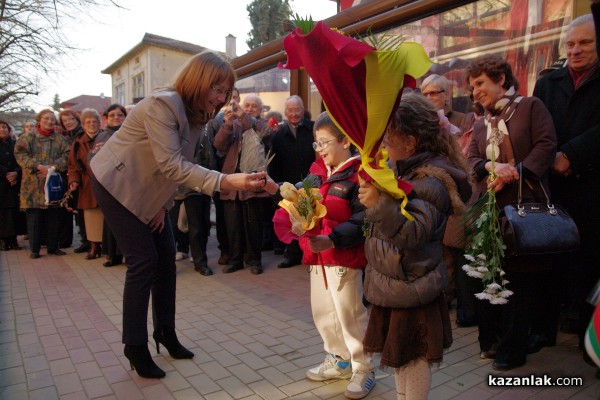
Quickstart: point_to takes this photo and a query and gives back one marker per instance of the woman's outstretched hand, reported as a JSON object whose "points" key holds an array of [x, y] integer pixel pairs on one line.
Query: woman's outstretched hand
{"points": [[240, 181]]}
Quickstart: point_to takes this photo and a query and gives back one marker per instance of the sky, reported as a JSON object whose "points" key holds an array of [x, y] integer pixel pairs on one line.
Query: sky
{"points": [[110, 33]]}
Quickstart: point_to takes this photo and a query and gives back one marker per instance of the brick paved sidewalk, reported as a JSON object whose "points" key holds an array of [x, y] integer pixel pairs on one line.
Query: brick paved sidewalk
{"points": [[253, 336]]}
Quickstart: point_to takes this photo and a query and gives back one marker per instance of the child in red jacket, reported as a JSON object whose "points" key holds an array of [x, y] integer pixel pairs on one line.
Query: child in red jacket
{"points": [[338, 252]]}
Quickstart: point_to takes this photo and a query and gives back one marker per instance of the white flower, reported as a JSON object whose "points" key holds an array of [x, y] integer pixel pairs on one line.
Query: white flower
{"points": [[482, 269], [493, 287], [505, 293], [501, 272], [475, 274], [483, 296], [467, 268], [498, 300], [505, 282], [469, 257], [482, 257]]}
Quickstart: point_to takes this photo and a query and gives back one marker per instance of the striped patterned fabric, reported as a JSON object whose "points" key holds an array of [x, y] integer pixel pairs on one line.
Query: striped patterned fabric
{"points": [[592, 337]]}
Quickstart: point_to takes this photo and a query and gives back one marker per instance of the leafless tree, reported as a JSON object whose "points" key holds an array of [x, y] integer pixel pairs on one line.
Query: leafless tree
{"points": [[32, 43]]}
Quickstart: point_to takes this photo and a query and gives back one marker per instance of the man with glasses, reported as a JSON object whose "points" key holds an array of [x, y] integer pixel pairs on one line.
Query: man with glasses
{"points": [[294, 153]]}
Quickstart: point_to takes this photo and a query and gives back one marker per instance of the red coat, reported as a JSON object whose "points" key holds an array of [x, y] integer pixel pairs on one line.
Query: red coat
{"points": [[80, 172], [344, 219]]}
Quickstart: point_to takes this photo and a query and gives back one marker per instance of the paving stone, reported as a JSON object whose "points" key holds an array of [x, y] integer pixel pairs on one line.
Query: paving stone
{"points": [[253, 338]]}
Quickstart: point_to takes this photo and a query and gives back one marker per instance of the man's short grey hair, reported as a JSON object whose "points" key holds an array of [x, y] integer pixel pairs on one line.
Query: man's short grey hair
{"points": [[582, 19], [255, 98], [295, 97]]}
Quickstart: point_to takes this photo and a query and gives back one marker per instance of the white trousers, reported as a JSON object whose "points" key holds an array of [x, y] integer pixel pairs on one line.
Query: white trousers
{"points": [[339, 314]]}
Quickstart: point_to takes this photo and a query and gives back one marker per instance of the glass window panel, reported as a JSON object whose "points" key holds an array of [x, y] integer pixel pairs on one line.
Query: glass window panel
{"points": [[272, 86], [138, 92], [527, 33], [120, 94]]}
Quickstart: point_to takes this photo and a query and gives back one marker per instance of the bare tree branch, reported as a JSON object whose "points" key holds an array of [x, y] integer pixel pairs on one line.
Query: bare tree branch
{"points": [[32, 42]]}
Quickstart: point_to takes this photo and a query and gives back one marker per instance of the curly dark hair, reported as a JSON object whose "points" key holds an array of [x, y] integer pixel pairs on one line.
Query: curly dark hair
{"points": [[494, 67], [416, 116]]}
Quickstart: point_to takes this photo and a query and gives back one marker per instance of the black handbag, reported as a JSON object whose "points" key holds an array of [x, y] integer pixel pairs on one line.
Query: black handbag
{"points": [[537, 228]]}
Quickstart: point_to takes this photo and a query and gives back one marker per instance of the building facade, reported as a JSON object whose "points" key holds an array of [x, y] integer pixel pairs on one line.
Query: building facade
{"points": [[152, 63]]}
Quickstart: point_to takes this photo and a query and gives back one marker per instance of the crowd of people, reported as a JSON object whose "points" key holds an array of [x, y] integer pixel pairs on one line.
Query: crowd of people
{"points": [[196, 143]]}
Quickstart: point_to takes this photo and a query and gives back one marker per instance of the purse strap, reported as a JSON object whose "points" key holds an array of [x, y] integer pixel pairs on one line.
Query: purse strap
{"points": [[520, 207]]}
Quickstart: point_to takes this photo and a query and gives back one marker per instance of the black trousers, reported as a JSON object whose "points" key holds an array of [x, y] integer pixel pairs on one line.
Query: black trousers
{"points": [[150, 258], [244, 221], [66, 228], [220, 224], [44, 223], [197, 208], [507, 325], [109, 242]]}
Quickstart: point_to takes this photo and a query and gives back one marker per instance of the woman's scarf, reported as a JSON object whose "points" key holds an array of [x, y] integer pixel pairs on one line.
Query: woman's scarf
{"points": [[43, 132], [499, 149], [92, 137], [113, 128], [73, 133]]}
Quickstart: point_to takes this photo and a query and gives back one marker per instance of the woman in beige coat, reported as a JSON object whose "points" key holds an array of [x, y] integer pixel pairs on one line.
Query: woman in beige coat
{"points": [[136, 173]]}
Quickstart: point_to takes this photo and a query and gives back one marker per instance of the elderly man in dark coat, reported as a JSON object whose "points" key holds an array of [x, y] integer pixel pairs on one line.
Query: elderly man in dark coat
{"points": [[571, 95], [292, 147]]}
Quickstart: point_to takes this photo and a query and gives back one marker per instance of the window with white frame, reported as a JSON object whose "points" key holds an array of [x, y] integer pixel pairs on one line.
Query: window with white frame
{"points": [[120, 93], [138, 87]]}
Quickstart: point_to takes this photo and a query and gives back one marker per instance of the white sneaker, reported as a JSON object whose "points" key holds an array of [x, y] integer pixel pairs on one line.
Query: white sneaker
{"points": [[332, 368], [180, 256], [361, 384]]}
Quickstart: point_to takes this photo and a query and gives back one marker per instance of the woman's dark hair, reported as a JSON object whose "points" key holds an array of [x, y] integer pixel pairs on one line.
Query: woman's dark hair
{"points": [[9, 126], [113, 107], [416, 116], [494, 67]]}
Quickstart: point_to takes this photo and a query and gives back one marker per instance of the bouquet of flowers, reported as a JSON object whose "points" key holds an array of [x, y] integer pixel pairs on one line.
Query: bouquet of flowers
{"points": [[361, 83], [486, 251], [300, 211]]}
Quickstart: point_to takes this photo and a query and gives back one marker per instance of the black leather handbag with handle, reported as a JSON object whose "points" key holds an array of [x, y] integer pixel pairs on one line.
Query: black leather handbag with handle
{"points": [[537, 228]]}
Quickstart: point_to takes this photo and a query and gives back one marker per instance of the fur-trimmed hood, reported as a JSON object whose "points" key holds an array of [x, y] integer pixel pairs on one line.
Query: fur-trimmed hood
{"points": [[405, 267]]}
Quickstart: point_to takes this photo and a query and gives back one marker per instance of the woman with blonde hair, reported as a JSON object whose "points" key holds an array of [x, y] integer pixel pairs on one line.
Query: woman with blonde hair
{"points": [[135, 176]]}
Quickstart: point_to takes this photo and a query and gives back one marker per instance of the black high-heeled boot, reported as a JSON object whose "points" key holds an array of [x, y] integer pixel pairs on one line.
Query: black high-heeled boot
{"points": [[141, 361], [168, 338]]}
